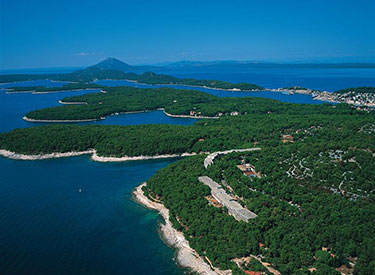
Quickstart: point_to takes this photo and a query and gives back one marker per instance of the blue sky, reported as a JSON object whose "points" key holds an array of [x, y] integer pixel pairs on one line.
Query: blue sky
{"points": [[41, 33]]}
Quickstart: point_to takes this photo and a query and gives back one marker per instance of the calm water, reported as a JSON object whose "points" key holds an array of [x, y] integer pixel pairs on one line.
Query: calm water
{"points": [[49, 227], [316, 78]]}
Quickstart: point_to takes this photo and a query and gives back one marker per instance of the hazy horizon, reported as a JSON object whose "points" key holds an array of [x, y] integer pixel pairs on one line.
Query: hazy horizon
{"points": [[77, 67]]}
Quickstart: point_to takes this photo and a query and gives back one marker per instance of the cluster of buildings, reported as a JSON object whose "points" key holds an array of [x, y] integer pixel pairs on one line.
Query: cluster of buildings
{"points": [[248, 170], [287, 138], [352, 98], [234, 208], [292, 90], [362, 100]]}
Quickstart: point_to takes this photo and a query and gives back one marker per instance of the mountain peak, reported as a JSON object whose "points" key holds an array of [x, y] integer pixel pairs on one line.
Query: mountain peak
{"points": [[111, 63], [112, 59]]}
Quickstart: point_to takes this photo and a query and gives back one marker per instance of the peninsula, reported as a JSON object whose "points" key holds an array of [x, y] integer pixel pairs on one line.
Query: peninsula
{"points": [[175, 102]]}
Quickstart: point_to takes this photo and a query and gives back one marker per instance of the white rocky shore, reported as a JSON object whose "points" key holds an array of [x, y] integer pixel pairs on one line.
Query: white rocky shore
{"points": [[101, 118], [186, 116], [94, 157], [72, 103], [13, 155], [185, 255], [61, 121]]}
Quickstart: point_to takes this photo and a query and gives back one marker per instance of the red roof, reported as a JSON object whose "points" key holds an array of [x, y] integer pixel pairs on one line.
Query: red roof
{"points": [[249, 173], [252, 272]]}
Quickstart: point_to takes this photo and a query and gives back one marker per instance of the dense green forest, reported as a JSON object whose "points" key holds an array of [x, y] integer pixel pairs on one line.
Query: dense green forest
{"points": [[293, 237], [66, 87], [175, 101], [314, 193], [220, 134], [360, 90]]}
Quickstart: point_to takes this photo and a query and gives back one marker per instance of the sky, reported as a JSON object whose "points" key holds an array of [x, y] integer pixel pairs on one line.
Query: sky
{"points": [[68, 33]]}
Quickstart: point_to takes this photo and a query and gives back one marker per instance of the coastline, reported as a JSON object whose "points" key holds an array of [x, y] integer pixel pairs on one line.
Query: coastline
{"points": [[187, 116], [102, 118], [34, 92], [94, 157], [17, 156], [60, 121], [185, 256], [72, 103]]}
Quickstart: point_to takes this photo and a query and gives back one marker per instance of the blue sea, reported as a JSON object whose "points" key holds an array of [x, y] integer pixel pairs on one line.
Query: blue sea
{"points": [[76, 216]]}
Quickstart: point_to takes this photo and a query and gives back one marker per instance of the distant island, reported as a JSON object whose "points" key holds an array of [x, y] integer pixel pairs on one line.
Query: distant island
{"points": [[104, 70]]}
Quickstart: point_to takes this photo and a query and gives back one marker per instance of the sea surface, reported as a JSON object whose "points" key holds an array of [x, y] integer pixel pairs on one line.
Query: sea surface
{"points": [[76, 216], [324, 79]]}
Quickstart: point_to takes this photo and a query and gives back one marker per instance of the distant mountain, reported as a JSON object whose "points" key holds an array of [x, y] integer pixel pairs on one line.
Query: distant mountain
{"points": [[111, 63], [114, 64]]}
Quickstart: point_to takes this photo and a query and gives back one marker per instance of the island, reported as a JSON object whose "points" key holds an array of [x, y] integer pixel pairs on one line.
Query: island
{"points": [[304, 196], [174, 102]]}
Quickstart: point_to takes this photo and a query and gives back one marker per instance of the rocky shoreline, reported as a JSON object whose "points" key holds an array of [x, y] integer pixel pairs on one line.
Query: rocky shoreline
{"points": [[13, 155], [185, 256], [72, 103], [61, 121], [101, 118], [35, 92], [94, 157], [186, 116]]}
